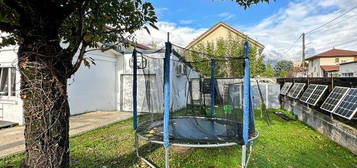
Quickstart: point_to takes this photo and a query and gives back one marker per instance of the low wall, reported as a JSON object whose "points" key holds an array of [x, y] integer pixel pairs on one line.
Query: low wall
{"points": [[337, 131]]}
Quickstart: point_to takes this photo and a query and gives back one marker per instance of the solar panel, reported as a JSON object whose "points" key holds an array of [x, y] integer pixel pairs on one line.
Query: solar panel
{"points": [[292, 89], [284, 90], [317, 94], [334, 98], [297, 90], [348, 106], [308, 92]]}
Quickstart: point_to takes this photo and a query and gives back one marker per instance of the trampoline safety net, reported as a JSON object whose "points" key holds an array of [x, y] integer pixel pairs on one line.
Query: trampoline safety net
{"points": [[206, 97]]}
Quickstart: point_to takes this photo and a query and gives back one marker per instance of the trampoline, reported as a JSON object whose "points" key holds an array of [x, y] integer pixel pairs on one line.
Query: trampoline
{"points": [[183, 103], [191, 131]]}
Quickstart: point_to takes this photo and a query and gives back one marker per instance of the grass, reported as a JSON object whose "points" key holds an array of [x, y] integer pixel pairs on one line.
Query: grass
{"points": [[285, 144]]}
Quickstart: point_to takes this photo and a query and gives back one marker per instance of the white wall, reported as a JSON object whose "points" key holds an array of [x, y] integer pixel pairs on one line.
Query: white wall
{"points": [[348, 68], [94, 88], [11, 105], [153, 73], [89, 89]]}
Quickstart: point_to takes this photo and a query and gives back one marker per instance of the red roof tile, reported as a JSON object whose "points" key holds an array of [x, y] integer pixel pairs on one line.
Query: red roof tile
{"points": [[330, 68], [298, 69], [335, 53]]}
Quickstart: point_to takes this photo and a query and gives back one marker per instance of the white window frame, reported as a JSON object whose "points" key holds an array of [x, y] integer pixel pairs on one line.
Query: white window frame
{"points": [[9, 97]]}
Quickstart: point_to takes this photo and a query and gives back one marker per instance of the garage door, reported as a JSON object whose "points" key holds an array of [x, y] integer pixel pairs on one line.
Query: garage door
{"points": [[149, 93]]}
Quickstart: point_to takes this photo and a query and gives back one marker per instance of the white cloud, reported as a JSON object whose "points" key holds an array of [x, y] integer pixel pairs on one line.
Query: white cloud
{"points": [[180, 35], [226, 16], [278, 31]]}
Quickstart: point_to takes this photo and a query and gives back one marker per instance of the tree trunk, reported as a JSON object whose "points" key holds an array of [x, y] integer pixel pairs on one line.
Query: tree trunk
{"points": [[46, 108]]}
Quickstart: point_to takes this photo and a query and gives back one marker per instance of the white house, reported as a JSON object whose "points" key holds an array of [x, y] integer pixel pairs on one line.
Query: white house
{"points": [[327, 63], [348, 69], [105, 86]]}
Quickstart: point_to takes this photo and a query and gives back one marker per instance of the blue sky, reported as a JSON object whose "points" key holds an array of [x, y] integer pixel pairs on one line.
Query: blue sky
{"points": [[205, 13], [277, 24]]}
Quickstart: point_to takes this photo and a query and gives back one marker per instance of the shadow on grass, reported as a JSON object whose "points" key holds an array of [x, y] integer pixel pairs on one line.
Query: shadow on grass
{"points": [[125, 160]]}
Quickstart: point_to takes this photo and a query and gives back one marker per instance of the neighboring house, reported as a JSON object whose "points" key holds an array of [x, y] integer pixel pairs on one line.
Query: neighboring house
{"points": [[223, 31], [297, 72], [105, 86], [297, 63], [328, 63], [348, 69]]}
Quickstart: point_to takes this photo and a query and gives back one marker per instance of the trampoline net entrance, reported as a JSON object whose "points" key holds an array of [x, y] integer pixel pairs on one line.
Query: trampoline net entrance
{"points": [[206, 98]]}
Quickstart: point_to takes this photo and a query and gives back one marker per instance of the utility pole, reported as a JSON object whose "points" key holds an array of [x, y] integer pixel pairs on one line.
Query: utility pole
{"points": [[303, 53]]}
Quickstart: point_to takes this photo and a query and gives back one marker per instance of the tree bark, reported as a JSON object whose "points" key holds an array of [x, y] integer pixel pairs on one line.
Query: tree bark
{"points": [[43, 71]]}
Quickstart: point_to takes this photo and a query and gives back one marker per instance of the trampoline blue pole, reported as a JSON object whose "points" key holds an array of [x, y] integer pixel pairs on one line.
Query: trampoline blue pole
{"points": [[251, 111], [247, 93], [212, 82], [135, 100], [167, 94]]}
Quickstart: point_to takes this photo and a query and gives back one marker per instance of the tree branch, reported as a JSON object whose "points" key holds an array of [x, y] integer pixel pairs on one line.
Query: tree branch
{"points": [[79, 61]]}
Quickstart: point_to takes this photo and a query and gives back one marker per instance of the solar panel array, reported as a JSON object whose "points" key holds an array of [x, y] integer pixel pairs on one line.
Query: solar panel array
{"points": [[308, 92], [335, 97], [296, 90], [284, 90], [317, 94], [348, 106], [342, 101]]}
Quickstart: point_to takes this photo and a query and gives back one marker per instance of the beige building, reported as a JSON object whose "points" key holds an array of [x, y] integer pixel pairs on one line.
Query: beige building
{"points": [[223, 31], [328, 63]]}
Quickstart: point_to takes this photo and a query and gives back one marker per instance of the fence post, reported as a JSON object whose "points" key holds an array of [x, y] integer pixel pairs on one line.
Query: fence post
{"points": [[213, 83], [135, 100]]}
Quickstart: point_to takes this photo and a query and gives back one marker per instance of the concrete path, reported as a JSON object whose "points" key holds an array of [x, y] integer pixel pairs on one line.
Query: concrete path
{"points": [[12, 139]]}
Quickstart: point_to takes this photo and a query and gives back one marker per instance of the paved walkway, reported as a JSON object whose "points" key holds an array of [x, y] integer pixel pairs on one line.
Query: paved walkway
{"points": [[12, 139]]}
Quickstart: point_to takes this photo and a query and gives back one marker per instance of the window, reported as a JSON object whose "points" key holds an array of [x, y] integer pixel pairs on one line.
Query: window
{"points": [[337, 60], [347, 74], [7, 81]]}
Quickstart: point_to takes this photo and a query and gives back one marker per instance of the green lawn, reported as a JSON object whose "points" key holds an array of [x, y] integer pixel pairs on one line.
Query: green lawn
{"points": [[285, 144]]}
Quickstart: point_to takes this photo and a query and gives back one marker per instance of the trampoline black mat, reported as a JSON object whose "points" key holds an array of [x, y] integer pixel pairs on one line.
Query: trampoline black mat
{"points": [[194, 130]]}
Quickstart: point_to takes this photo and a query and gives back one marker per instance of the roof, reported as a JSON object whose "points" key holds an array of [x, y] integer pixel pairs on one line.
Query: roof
{"points": [[353, 62], [330, 68], [335, 53], [216, 26], [142, 46], [298, 69]]}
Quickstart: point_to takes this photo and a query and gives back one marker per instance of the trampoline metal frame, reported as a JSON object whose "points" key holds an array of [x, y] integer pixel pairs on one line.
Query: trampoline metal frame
{"points": [[245, 157]]}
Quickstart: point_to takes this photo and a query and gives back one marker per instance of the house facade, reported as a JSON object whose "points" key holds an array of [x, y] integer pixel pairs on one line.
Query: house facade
{"points": [[348, 69], [105, 86], [223, 31], [328, 63]]}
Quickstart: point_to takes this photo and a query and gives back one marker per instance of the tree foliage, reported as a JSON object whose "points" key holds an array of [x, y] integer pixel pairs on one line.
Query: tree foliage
{"points": [[78, 23], [283, 67], [232, 46], [269, 71]]}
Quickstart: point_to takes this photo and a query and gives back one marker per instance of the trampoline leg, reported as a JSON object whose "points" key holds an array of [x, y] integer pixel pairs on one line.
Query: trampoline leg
{"points": [[244, 156], [167, 157], [136, 145]]}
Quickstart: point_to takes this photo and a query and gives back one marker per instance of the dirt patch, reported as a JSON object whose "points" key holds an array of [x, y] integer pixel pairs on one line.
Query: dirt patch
{"points": [[179, 149]]}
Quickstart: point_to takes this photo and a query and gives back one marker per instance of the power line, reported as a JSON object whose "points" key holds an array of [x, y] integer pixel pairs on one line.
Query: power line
{"points": [[343, 14], [330, 45], [336, 25], [293, 44]]}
